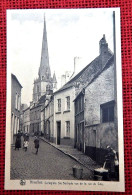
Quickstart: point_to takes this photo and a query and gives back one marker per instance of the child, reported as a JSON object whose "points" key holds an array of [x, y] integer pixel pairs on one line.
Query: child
{"points": [[25, 145]]}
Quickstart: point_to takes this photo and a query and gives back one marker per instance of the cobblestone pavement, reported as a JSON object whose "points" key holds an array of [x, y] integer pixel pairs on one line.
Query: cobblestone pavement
{"points": [[77, 155], [49, 163]]}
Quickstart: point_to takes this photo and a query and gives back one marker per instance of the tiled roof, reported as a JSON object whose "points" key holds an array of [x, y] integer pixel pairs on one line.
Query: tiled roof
{"points": [[93, 65]]}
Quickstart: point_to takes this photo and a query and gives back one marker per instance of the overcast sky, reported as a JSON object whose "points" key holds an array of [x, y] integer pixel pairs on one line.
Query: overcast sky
{"points": [[70, 33]]}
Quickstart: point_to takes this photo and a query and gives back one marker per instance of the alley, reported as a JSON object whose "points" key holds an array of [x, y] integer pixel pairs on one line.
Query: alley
{"points": [[50, 163]]}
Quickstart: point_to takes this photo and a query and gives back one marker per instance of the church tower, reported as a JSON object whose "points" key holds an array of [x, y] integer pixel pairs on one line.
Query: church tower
{"points": [[44, 82]]}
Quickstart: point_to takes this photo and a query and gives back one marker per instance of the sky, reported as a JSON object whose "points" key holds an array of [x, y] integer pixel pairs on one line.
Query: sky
{"points": [[70, 33]]}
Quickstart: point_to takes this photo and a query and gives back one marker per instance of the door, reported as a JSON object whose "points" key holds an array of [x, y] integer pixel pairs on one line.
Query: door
{"points": [[58, 132], [82, 126]]}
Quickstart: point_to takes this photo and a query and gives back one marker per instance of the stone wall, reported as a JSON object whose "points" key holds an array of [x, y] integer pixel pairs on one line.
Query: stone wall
{"points": [[100, 91], [98, 135]]}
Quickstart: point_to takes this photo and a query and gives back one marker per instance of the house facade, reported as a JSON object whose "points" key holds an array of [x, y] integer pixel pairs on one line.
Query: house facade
{"points": [[35, 116], [95, 124], [100, 124], [63, 116], [26, 120], [47, 118], [15, 105], [79, 142]]}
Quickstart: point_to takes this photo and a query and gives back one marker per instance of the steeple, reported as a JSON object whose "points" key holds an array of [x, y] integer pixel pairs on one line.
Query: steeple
{"points": [[54, 82], [44, 69]]}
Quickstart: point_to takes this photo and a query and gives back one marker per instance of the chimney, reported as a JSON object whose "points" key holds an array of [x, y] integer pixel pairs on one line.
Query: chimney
{"points": [[63, 80], [103, 46]]}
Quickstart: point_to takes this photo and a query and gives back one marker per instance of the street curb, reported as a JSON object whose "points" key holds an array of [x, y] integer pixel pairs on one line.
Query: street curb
{"points": [[71, 156]]}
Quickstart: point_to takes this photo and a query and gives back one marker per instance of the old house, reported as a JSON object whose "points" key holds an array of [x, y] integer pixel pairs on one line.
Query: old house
{"points": [[95, 124], [47, 117], [22, 108], [15, 105], [63, 117], [100, 112], [79, 121], [26, 120], [35, 116]]}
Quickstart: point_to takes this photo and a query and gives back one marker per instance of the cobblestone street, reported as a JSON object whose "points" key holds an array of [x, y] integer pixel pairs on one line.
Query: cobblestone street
{"points": [[50, 163]]}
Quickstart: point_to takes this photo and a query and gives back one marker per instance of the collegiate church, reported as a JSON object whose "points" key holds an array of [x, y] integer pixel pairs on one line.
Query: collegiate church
{"points": [[44, 86], [45, 81]]}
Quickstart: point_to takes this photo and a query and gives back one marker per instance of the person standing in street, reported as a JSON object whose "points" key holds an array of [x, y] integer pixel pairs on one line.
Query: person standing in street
{"points": [[18, 140], [26, 141], [36, 143]]}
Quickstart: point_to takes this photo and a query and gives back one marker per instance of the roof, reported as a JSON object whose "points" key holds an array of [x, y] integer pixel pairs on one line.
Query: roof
{"points": [[93, 64], [108, 64], [39, 103], [15, 78], [92, 68], [28, 108]]}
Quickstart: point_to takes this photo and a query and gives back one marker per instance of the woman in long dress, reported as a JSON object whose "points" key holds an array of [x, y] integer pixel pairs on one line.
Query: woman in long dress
{"points": [[18, 141]]}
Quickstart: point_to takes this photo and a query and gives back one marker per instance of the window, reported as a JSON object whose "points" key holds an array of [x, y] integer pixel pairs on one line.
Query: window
{"points": [[47, 87], [107, 112], [67, 128], [68, 103], [59, 105]]}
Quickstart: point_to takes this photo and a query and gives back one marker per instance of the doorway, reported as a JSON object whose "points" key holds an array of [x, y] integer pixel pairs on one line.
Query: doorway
{"points": [[58, 132]]}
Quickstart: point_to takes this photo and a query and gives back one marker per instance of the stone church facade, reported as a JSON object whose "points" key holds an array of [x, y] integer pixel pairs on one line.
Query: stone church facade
{"points": [[44, 84], [45, 81]]}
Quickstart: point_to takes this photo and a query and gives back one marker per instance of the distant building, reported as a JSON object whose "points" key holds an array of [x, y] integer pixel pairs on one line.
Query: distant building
{"points": [[65, 77], [26, 120], [15, 105], [22, 108], [47, 117], [35, 116]]}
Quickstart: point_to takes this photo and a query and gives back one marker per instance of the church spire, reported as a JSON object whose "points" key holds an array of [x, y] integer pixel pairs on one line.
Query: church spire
{"points": [[44, 70], [54, 82]]}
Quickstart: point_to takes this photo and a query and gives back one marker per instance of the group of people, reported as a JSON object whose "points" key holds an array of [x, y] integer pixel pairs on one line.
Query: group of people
{"points": [[25, 141]]}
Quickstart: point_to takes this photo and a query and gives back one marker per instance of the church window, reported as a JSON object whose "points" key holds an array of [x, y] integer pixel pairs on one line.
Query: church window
{"points": [[107, 112], [47, 87]]}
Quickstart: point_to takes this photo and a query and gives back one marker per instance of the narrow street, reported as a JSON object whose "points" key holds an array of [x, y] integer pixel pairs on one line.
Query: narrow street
{"points": [[49, 163]]}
